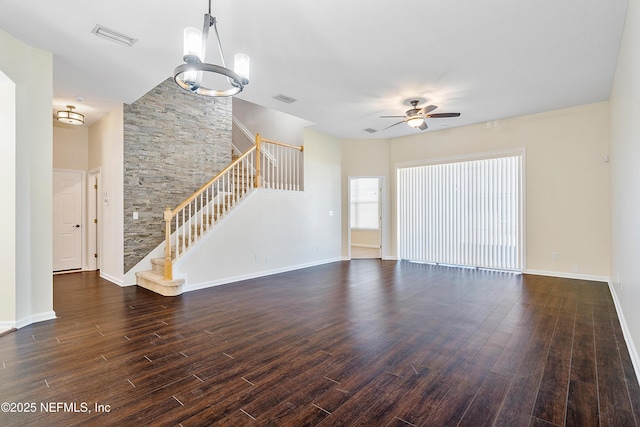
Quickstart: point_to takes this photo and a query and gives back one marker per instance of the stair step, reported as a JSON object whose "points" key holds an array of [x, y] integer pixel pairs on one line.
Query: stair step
{"points": [[157, 265], [155, 282]]}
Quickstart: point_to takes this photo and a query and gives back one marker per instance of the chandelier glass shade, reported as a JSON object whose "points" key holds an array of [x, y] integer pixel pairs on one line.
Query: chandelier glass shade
{"points": [[192, 73]]}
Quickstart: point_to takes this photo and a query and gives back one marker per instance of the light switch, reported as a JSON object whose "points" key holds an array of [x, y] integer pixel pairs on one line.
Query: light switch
{"points": [[135, 215]]}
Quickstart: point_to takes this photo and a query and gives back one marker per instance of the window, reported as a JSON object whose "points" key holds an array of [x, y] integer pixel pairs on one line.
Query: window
{"points": [[462, 213], [364, 203]]}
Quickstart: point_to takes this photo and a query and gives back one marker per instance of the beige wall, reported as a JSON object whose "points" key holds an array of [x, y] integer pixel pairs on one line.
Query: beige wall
{"points": [[70, 147], [366, 238], [566, 183], [567, 180], [625, 182]]}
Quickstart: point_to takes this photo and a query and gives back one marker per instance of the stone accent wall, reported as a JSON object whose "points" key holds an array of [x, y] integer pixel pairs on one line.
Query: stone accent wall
{"points": [[174, 142]]}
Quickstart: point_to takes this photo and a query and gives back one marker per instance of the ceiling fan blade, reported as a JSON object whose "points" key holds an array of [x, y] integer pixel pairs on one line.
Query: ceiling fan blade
{"points": [[427, 109], [423, 126], [391, 117], [443, 115], [393, 125]]}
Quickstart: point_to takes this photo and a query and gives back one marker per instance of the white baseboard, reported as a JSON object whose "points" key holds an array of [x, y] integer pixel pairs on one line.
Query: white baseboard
{"points": [[41, 317], [204, 285], [633, 353], [567, 275], [7, 326], [111, 279], [359, 245]]}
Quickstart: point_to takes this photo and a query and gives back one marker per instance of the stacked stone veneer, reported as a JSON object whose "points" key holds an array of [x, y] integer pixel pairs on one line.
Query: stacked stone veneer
{"points": [[174, 142]]}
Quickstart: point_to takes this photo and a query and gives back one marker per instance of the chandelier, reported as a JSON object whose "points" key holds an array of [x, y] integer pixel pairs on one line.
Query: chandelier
{"points": [[189, 75]]}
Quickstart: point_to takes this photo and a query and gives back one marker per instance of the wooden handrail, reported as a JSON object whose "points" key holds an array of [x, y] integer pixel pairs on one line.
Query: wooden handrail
{"points": [[211, 181], [282, 144]]}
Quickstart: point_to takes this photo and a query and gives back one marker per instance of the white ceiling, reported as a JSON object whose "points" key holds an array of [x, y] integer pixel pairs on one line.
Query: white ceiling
{"points": [[346, 62]]}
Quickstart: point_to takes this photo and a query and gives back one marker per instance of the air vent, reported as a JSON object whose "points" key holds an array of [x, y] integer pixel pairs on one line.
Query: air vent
{"points": [[370, 130], [285, 99], [113, 35]]}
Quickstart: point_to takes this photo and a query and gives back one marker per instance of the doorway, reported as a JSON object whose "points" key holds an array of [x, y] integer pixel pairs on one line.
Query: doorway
{"points": [[68, 186], [365, 217]]}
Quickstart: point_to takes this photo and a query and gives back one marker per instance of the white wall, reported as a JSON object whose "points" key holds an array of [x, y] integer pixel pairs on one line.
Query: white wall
{"points": [[273, 231], [271, 124], [31, 70], [106, 148], [625, 181], [8, 214]]}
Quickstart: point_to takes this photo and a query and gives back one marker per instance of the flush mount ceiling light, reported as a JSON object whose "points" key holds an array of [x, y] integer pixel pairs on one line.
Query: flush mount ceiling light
{"points": [[69, 116], [189, 76]]}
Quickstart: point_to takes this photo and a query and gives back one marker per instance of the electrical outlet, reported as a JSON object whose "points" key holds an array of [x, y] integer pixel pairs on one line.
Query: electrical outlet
{"points": [[554, 256], [576, 269]]}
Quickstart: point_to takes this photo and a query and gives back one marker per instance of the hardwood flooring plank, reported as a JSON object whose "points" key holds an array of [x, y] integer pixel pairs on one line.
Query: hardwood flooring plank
{"points": [[582, 405], [615, 407], [551, 402], [486, 404]]}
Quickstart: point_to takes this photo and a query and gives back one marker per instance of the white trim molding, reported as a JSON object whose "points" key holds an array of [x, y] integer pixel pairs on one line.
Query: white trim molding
{"points": [[631, 348], [567, 275]]}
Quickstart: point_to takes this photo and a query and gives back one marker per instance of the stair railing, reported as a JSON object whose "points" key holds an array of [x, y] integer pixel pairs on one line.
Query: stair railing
{"points": [[268, 164]]}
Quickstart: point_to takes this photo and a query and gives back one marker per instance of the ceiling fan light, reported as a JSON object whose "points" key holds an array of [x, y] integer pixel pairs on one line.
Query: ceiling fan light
{"points": [[415, 121]]}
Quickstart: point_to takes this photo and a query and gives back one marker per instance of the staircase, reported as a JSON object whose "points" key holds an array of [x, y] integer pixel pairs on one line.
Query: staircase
{"points": [[241, 181], [268, 164]]}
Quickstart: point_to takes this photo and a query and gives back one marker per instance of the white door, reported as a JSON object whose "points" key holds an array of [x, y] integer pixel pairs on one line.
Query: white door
{"points": [[67, 220]]}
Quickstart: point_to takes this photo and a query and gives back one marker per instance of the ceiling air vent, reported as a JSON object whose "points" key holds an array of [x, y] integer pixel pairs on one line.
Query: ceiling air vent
{"points": [[284, 98], [370, 130], [113, 35]]}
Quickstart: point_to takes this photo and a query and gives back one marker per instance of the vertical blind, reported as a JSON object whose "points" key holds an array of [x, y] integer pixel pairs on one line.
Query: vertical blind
{"points": [[463, 213], [364, 203]]}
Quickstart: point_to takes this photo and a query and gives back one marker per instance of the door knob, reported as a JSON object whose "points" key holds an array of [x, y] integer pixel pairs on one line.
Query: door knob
{"points": [[77, 225]]}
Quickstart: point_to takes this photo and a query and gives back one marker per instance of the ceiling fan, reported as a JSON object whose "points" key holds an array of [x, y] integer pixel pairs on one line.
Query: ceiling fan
{"points": [[416, 117]]}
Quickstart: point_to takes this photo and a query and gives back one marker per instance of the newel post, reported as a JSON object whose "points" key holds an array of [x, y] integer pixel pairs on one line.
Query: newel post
{"points": [[258, 155], [168, 265]]}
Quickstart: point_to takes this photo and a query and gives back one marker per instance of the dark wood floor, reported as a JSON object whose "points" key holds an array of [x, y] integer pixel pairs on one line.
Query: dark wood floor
{"points": [[361, 343]]}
